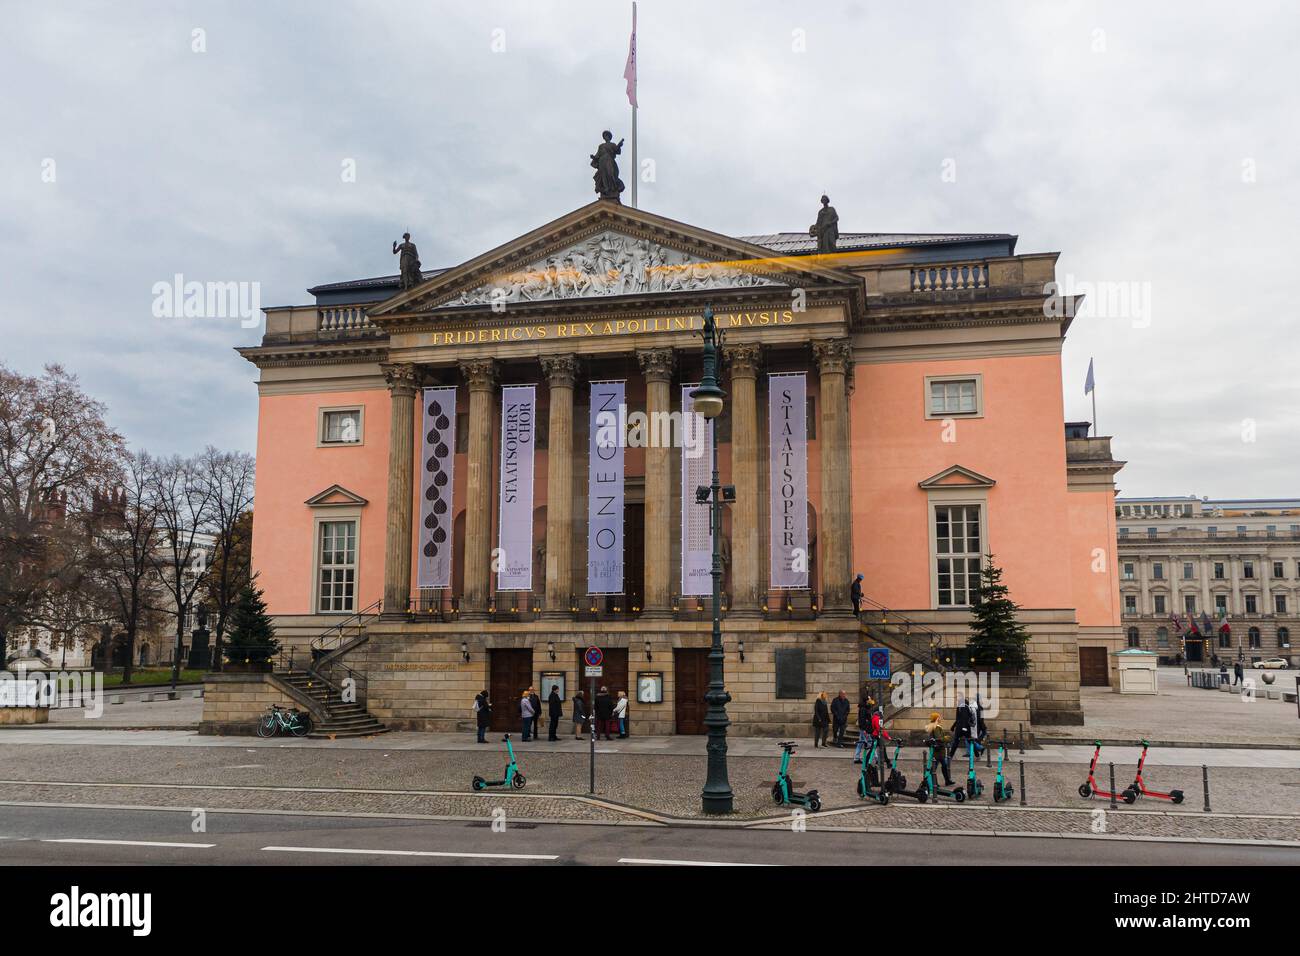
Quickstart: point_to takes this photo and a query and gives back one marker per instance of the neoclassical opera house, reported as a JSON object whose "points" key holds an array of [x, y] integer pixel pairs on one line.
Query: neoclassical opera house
{"points": [[437, 512]]}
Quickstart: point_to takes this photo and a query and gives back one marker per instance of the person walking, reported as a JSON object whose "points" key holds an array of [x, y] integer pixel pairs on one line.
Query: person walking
{"points": [[579, 715], [482, 715], [1237, 673], [938, 752], [864, 725], [855, 592], [604, 713], [526, 714], [555, 710], [840, 708], [962, 727], [821, 720], [537, 712], [620, 714]]}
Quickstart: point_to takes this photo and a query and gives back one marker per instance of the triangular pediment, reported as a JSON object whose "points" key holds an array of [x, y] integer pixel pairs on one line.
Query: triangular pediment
{"points": [[335, 496], [606, 251], [956, 476]]}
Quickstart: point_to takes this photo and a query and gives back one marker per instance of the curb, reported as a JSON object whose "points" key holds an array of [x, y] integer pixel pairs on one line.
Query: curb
{"points": [[1190, 744]]}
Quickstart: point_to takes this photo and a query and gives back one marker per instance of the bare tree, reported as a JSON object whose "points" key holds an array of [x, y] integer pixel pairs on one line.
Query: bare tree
{"points": [[230, 477], [128, 537], [184, 500], [55, 450]]}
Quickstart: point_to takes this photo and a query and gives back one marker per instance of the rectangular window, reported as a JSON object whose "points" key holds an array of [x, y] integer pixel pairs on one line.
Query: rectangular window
{"points": [[1130, 604], [1279, 603], [1278, 570], [957, 552], [1253, 636], [1218, 570], [1162, 637], [1241, 531], [1220, 602], [340, 426], [1158, 571], [1252, 605], [1189, 571], [1213, 531], [1160, 604], [338, 566], [1128, 571], [956, 396], [1151, 532], [1123, 532], [1189, 603], [1248, 569]]}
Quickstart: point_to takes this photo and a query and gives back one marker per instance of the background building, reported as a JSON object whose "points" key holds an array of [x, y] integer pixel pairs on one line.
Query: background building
{"points": [[1208, 559]]}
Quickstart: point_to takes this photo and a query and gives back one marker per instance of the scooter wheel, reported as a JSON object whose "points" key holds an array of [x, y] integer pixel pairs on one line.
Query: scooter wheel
{"points": [[777, 795], [922, 795], [519, 781], [814, 804], [1085, 791], [1130, 796], [479, 783], [1176, 796], [884, 799]]}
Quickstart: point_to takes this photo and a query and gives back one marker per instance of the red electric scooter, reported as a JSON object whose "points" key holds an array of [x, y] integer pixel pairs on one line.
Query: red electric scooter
{"points": [[1129, 795], [1139, 787]]}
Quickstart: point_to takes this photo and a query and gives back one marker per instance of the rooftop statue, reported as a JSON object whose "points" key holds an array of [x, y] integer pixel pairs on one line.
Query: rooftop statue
{"points": [[409, 262], [608, 185], [827, 227]]}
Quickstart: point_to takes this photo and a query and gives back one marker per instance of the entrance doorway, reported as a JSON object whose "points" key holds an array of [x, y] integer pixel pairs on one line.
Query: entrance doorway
{"points": [[510, 672], [690, 684], [1194, 654], [1094, 667], [614, 675]]}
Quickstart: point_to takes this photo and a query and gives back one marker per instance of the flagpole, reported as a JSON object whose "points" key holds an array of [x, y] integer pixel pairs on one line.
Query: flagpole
{"points": [[636, 170], [1095, 433]]}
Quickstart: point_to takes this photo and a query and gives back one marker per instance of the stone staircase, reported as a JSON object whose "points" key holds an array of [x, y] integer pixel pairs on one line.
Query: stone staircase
{"points": [[340, 719]]}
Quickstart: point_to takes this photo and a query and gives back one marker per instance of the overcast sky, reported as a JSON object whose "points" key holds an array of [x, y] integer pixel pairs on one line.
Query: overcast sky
{"points": [[1153, 145]]}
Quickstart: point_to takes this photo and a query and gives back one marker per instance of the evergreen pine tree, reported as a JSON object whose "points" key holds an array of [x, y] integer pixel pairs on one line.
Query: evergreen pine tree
{"points": [[998, 640], [252, 635]]}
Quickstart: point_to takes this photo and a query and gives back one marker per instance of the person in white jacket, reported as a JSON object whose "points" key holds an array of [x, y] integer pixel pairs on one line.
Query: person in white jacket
{"points": [[620, 714]]}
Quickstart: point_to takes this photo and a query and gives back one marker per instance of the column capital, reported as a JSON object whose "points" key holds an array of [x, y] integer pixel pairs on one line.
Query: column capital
{"points": [[403, 378], [561, 371], [834, 356], [745, 359], [656, 364], [480, 374]]}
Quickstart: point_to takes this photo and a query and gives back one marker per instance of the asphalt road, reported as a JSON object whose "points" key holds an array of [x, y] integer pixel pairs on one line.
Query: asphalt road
{"points": [[99, 836]]}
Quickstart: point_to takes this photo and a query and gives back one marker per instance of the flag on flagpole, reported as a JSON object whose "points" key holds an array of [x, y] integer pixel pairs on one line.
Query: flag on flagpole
{"points": [[1224, 628], [629, 71], [1177, 621], [1089, 383], [1205, 622]]}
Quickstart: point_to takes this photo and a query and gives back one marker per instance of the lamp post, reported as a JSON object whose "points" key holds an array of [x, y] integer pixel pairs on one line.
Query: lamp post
{"points": [[708, 400]]}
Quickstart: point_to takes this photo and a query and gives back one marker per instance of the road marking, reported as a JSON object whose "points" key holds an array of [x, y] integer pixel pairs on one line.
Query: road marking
{"points": [[642, 862], [439, 853], [192, 846]]}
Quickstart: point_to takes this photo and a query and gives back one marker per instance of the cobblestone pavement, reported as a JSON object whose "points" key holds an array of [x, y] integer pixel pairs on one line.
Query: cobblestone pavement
{"points": [[667, 785]]}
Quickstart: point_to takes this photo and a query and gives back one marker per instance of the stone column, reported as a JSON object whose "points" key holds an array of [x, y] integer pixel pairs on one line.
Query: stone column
{"points": [[481, 376], [560, 370], [401, 472], [745, 577], [834, 361], [657, 367]]}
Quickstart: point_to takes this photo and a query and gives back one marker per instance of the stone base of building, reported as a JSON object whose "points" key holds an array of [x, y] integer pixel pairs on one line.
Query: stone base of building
{"points": [[233, 702], [24, 715]]}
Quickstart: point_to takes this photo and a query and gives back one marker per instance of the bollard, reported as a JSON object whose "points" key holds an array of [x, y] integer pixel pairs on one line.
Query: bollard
{"points": [[1022, 782], [1022, 738], [988, 756], [1113, 804], [1205, 784]]}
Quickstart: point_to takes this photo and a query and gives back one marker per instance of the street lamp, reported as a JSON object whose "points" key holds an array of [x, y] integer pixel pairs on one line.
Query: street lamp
{"points": [[708, 399]]}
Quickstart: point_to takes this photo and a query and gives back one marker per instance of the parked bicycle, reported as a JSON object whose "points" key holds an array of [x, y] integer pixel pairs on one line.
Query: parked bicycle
{"points": [[281, 719]]}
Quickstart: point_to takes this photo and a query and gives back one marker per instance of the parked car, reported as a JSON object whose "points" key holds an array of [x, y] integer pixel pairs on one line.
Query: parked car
{"points": [[1273, 663]]}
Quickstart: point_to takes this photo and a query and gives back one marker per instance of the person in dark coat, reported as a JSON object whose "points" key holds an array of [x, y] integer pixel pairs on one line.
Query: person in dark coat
{"points": [[840, 708], [963, 728], [482, 715], [604, 713], [821, 720], [1237, 673], [537, 711], [855, 592], [555, 709], [579, 715]]}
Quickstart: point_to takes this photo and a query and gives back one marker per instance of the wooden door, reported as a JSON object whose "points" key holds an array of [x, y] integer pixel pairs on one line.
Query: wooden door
{"points": [[614, 676], [510, 674], [690, 684], [1094, 667]]}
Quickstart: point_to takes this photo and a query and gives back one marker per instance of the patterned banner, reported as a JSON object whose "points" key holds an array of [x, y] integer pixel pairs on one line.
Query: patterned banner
{"points": [[514, 558], [605, 490], [697, 536], [437, 453], [787, 419]]}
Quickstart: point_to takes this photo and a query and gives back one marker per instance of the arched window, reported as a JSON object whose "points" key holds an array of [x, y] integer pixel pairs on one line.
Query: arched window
{"points": [[1253, 636], [1162, 637], [1134, 638], [1284, 637]]}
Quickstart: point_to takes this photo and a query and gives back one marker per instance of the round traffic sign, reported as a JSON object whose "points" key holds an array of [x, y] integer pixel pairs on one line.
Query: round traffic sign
{"points": [[594, 656]]}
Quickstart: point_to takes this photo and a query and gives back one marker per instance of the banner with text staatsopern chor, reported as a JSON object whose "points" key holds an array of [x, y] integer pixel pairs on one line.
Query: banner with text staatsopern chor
{"points": [[787, 419], [697, 535], [605, 490], [437, 452], [514, 558]]}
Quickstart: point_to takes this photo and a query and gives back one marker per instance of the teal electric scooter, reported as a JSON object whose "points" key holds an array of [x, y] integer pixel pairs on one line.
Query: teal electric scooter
{"points": [[512, 778], [783, 792], [869, 787], [973, 786], [1001, 789], [929, 790]]}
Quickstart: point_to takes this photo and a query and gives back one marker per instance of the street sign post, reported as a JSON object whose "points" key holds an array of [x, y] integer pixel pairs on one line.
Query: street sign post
{"points": [[878, 663], [594, 659]]}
